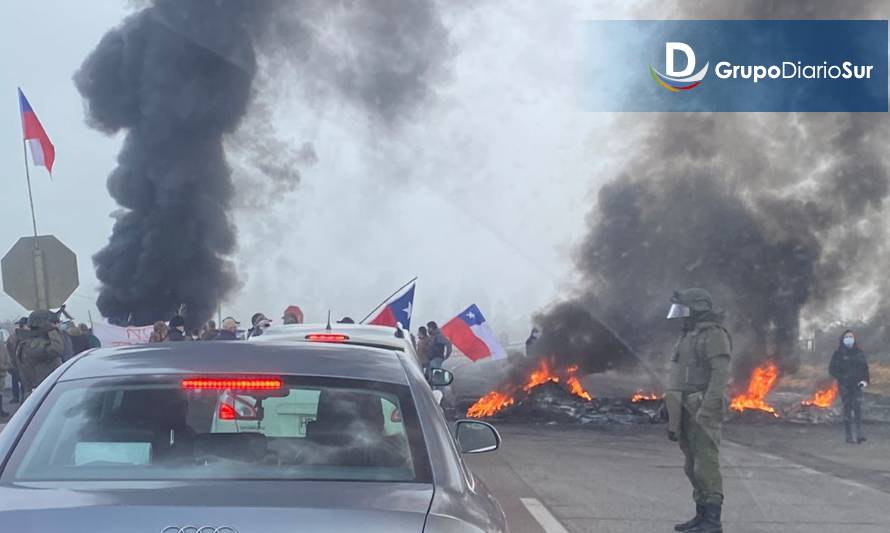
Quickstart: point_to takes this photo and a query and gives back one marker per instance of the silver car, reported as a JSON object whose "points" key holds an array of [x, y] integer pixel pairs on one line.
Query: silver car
{"points": [[353, 334], [241, 438]]}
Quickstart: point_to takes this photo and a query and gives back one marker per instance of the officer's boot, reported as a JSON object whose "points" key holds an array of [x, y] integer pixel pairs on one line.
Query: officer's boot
{"points": [[710, 522], [848, 428], [689, 524]]}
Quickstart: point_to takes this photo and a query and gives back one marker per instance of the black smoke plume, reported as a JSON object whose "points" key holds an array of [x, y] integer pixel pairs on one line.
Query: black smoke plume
{"points": [[573, 337], [776, 214], [178, 77]]}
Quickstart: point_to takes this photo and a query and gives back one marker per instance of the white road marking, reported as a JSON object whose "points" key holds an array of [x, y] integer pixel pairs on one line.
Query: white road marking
{"points": [[543, 515], [808, 470]]}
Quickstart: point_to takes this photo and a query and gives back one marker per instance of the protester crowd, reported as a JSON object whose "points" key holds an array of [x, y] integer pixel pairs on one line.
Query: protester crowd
{"points": [[43, 341]]}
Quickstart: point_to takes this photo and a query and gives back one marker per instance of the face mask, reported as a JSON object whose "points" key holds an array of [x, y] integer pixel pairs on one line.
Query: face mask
{"points": [[849, 341]]}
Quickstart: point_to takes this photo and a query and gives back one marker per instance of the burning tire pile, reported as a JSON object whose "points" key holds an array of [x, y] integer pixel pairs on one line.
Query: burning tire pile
{"points": [[552, 402], [552, 396], [557, 396]]}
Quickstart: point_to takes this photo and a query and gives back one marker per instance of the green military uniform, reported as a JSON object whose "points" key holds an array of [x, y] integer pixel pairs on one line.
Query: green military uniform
{"points": [[39, 349], [694, 397]]}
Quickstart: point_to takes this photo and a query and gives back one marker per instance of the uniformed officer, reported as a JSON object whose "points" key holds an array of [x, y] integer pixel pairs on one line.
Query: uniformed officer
{"points": [[695, 402], [39, 350]]}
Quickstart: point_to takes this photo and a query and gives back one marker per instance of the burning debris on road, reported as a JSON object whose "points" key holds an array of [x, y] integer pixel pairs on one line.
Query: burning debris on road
{"points": [[553, 402], [641, 396], [762, 381], [551, 395], [823, 398], [496, 400]]}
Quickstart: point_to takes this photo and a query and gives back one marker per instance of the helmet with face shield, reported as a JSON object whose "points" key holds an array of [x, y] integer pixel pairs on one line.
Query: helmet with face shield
{"points": [[689, 302]]}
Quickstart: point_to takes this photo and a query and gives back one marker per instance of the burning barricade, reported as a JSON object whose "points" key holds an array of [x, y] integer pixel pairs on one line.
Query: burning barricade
{"points": [[762, 381], [548, 394], [552, 395], [758, 400]]}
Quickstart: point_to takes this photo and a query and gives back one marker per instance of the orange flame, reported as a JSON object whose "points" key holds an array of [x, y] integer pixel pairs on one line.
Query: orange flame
{"points": [[577, 389], [496, 400], [489, 404], [823, 398], [763, 379], [542, 375], [641, 396]]}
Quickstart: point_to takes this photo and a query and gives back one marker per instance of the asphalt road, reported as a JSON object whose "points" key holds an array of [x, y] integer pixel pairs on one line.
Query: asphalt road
{"points": [[623, 479], [630, 479]]}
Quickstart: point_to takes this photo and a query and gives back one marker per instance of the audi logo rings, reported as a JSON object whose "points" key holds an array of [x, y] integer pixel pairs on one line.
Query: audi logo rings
{"points": [[199, 529]]}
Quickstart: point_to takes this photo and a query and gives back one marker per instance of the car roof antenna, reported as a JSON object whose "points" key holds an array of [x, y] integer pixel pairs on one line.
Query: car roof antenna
{"points": [[328, 326]]}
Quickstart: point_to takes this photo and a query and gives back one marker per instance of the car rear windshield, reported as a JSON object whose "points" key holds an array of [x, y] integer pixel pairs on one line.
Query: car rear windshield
{"points": [[162, 429]]}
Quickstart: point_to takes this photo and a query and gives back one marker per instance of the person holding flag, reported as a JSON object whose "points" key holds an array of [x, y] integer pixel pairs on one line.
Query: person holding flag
{"points": [[472, 335], [439, 347]]}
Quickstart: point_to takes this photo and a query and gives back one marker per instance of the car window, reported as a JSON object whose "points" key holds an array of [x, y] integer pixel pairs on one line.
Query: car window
{"points": [[311, 428]]}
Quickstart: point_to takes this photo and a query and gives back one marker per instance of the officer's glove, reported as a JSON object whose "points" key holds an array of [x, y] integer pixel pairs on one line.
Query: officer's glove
{"points": [[672, 436], [863, 384]]}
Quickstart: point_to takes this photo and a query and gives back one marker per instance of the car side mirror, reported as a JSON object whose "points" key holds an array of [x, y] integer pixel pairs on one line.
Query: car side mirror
{"points": [[474, 436], [439, 377]]}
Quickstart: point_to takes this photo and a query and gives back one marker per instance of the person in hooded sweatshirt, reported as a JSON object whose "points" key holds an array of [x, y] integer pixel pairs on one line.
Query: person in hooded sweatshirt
{"points": [[259, 323], [850, 368], [176, 331]]}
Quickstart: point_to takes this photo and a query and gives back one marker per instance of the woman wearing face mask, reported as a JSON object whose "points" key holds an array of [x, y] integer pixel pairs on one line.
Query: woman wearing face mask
{"points": [[850, 369]]}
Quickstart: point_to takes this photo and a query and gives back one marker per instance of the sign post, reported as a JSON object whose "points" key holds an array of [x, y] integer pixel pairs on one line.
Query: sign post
{"points": [[39, 272]]}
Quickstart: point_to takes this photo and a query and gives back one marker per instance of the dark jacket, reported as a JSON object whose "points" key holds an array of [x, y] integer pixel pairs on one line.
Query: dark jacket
{"points": [[848, 366], [80, 343], [226, 335], [68, 346], [440, 346], [174, 335], [94, 340]]}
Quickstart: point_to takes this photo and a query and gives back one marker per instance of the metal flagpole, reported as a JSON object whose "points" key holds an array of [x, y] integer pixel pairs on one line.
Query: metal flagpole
{"points": [[30, 195], [39, 268], [388, 298]]}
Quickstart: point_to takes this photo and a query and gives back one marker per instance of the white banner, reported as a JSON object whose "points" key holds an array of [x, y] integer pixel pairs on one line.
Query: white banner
{"points": [[110, 335]]}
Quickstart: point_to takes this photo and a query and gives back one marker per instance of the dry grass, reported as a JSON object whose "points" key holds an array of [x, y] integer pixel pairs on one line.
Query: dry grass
{"points": [[812, 377]]}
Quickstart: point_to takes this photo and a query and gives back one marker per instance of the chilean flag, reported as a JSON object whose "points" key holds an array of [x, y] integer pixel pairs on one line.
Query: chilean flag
{"points": [[397, 311], [42, 150], [470, 333]]}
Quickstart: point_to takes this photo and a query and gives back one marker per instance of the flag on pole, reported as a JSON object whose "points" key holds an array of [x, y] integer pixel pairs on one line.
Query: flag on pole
{"points": [[397, 311], [42, 150], [471, 334]]}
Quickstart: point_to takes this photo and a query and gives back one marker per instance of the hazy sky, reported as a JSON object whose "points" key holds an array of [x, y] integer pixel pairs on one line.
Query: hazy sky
{"points": [[482, 195]]}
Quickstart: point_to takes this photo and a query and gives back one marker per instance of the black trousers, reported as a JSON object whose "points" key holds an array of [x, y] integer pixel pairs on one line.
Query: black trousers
{"points": [[852, 399], [16, 385]]}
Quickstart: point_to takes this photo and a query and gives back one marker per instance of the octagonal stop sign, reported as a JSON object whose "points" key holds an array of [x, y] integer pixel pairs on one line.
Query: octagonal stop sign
{"points": [[39, 272]]}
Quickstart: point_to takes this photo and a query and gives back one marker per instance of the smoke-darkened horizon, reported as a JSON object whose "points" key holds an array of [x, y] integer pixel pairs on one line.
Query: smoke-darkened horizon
{"points": [[179, 77], [775, 214]]}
